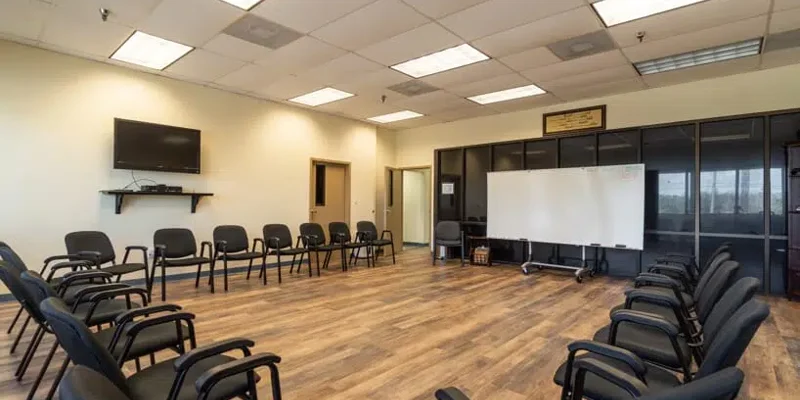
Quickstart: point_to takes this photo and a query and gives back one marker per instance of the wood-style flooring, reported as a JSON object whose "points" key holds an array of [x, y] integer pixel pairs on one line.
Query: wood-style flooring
{"points": [[400, 332]]}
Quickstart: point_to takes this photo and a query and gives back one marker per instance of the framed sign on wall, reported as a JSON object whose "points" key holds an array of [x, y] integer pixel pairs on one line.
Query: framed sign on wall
{"points": [[572, 121]]}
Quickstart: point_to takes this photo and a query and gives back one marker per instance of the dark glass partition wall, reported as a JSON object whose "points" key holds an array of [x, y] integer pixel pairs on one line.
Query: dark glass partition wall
{"points": [[706, 183]]}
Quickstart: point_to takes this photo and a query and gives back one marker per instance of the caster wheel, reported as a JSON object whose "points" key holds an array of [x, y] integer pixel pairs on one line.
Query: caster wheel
{"points": [[539, 267], [525, 271], [579, 279]]}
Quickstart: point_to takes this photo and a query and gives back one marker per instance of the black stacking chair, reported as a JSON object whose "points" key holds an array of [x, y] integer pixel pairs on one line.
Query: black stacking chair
{"points": [[723, 351], [448, 234], [201, 373], [340, 234], [684, 267], [368, 232], [662, 280], [177, 247], [97, 247], [230, 243], [313, 237], [278, 239], [721, 385]]}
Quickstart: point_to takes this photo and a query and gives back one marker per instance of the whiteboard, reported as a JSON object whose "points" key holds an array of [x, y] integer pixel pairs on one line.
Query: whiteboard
{"points": [[589, 206]]}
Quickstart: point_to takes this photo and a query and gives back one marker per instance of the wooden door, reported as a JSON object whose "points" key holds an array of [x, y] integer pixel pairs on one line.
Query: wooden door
{"points": [[394, 205], [329, 197]]}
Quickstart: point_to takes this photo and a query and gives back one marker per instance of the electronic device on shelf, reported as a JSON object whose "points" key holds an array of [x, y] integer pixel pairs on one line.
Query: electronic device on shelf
{"points": [[162, 189]]}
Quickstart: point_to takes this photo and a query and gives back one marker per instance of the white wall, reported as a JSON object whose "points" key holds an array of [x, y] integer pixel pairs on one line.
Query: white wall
{"points": [[416, 206], [56, 126]]}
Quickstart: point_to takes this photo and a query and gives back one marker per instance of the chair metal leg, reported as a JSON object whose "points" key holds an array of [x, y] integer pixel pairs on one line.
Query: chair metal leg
{"points": [[393, 259], [433, 258], [343, 254], [57, 380], [276, 382], [14, 322], [264, 269], [152, 278], [197, 278], [29, 353], [147, 279], [163, 282], [211, 275], [249, 267], [43, 370], [19, 335], [225, 271], [309, 262]]}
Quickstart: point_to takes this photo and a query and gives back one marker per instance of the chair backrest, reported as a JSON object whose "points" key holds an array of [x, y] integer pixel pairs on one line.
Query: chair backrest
{"points": [[724, 349], [10, 256], [708, 272], [448, 230], [234, 235], [723, 248], [79, 342], [716, 287], [313, 233], [10, 275], [38, 290], [721, 385], [90, 241], [368, 229], [279, 231], [339, 229], [81, 383], [179, 242], [739, 293]]}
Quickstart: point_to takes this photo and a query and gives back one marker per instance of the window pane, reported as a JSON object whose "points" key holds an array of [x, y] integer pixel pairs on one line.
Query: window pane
{"points": [[577, 151], [541, 154], [668, 155], [783, 129], [476, 166], [656, 245], [622, 263], [732, 176], [507, 157], [618, 148], [450, 178]]}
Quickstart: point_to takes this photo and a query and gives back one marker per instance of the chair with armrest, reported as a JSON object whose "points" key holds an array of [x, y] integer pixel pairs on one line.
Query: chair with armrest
{"points": [[177, 247], [278, 240], [96, 246], [369, 233], [448, 234], [340, 234], [231, 243], [313, 238], [684, 267]]}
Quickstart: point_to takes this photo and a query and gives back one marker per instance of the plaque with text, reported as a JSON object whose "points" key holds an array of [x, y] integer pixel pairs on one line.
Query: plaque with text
{"points": [[571, 121]]}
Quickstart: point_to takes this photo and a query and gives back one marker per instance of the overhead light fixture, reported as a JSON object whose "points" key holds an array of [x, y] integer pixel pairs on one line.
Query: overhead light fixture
{"points": [[394, 117], [444, 60], [243, 4], [508, 94], [150, 51], [615, 12], [322, 96], [726, 52]]}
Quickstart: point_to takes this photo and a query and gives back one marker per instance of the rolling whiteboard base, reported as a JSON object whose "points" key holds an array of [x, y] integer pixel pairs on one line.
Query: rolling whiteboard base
{"points": [[580, 272]]}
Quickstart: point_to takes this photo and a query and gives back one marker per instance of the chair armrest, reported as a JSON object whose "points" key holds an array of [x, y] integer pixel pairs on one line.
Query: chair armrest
{"points": [[635, 387], [142, 248], [184, 362], [651, 279], [71, 265], [66, 257], [206, 382], [643, 318], [203, 245], [221, 244], [129, 316], [673, 271], [116, 292], [629, 358], [134, 328], [263, 246], [450, 393], [128, 249], [385, 231], [79, 276], [276, 240]]}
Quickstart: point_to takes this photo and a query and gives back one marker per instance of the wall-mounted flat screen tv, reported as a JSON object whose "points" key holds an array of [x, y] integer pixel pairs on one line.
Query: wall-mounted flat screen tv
{"points": [[153, 147]]}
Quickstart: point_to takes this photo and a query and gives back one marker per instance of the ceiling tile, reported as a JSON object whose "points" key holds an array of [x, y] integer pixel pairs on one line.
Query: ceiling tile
{"points": [[566, 25], [360, 107], [123, 12], [702, 72], [90, 36], [785, 21], [346, 67], [785, 4], [688, 19], [498, 15], [203, 65], [577, 66], [490, 85], [289, 87], [23, 18], [300, 55], [426, 39], [373, 83], [780, 58], [434, 102], [191, 22], [440, 8], [306, 15], [711, 37], [600, 90], [369, 25], [236, 48], [470, 73], [615, 74], [525, 103], [249, 78], [465, 113], [533, 58]]}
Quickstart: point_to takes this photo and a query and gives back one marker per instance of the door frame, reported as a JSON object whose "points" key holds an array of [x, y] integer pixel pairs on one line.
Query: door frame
{"points": [[312, 185], [386, 196]]}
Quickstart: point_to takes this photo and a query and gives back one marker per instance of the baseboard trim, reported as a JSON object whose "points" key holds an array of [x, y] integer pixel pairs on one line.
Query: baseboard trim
{"points": [[416, 244]]}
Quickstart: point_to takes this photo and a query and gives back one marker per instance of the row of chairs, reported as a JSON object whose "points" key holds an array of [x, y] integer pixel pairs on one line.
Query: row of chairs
{"points": [[676, 316]]}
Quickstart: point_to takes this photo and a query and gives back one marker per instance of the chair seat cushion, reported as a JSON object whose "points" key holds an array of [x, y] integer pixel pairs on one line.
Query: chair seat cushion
{"points": [[183, 262], [72, 291], [105, 312], [382, 242], [248, 255], [658, 380], [149, 340], [121, 269], [687, 298], [327, 247], [651, 308], [648, 343], [289, 251], [448, 243], [154, 382]]}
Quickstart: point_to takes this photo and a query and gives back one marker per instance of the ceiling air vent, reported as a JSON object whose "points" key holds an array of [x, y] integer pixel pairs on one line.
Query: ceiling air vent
{"points": [[582, 46], [262, 32], [413, 88]]}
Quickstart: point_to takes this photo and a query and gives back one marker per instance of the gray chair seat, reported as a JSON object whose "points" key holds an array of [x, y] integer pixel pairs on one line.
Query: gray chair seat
{"points": [[122, 269], [185, 262], [646, 342], [249, 255], [441, 242], [381, 242], [154, 382], [105, 312], [651, 308], [326, 247], [149, 340], [72, 291], [289, 251]]}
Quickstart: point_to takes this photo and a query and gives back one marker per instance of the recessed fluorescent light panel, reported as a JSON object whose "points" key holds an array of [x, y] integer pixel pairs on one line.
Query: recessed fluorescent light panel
{"points": [[444, 60], [615, 12], [394, 117], [150, 51], [321, 96], [700, 57], [243, 4], [508, 94]]}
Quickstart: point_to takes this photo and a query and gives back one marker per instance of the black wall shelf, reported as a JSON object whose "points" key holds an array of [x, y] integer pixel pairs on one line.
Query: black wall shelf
{"points": [[119, 195]]}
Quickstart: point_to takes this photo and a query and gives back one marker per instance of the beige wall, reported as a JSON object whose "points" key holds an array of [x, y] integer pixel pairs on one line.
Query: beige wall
{"points": [[773, 89], [56, 126]]}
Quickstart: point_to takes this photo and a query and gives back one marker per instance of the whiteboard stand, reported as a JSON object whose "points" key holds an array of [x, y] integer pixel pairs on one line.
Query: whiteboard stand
{"points": [[580, 272]]}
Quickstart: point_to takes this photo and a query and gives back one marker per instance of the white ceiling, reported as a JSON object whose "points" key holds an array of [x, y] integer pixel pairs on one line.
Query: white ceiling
{"points": [[350, 44]]}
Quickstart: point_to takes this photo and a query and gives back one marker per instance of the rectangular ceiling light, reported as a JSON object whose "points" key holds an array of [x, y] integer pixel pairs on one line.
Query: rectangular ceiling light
{"points": [[243, 4], [706, 56], [444, 60], [150, 51], [322, 96], [508, 94], [394, 117], [615, 12]]}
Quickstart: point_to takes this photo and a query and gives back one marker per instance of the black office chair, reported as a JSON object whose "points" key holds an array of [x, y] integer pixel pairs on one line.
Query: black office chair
{"points": [[203, 372], [448, 234], [340, 234], [684, 267], [230, 243], [278, 239], [368, 232], [96, 246], [177, 247], [313, 237]]}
